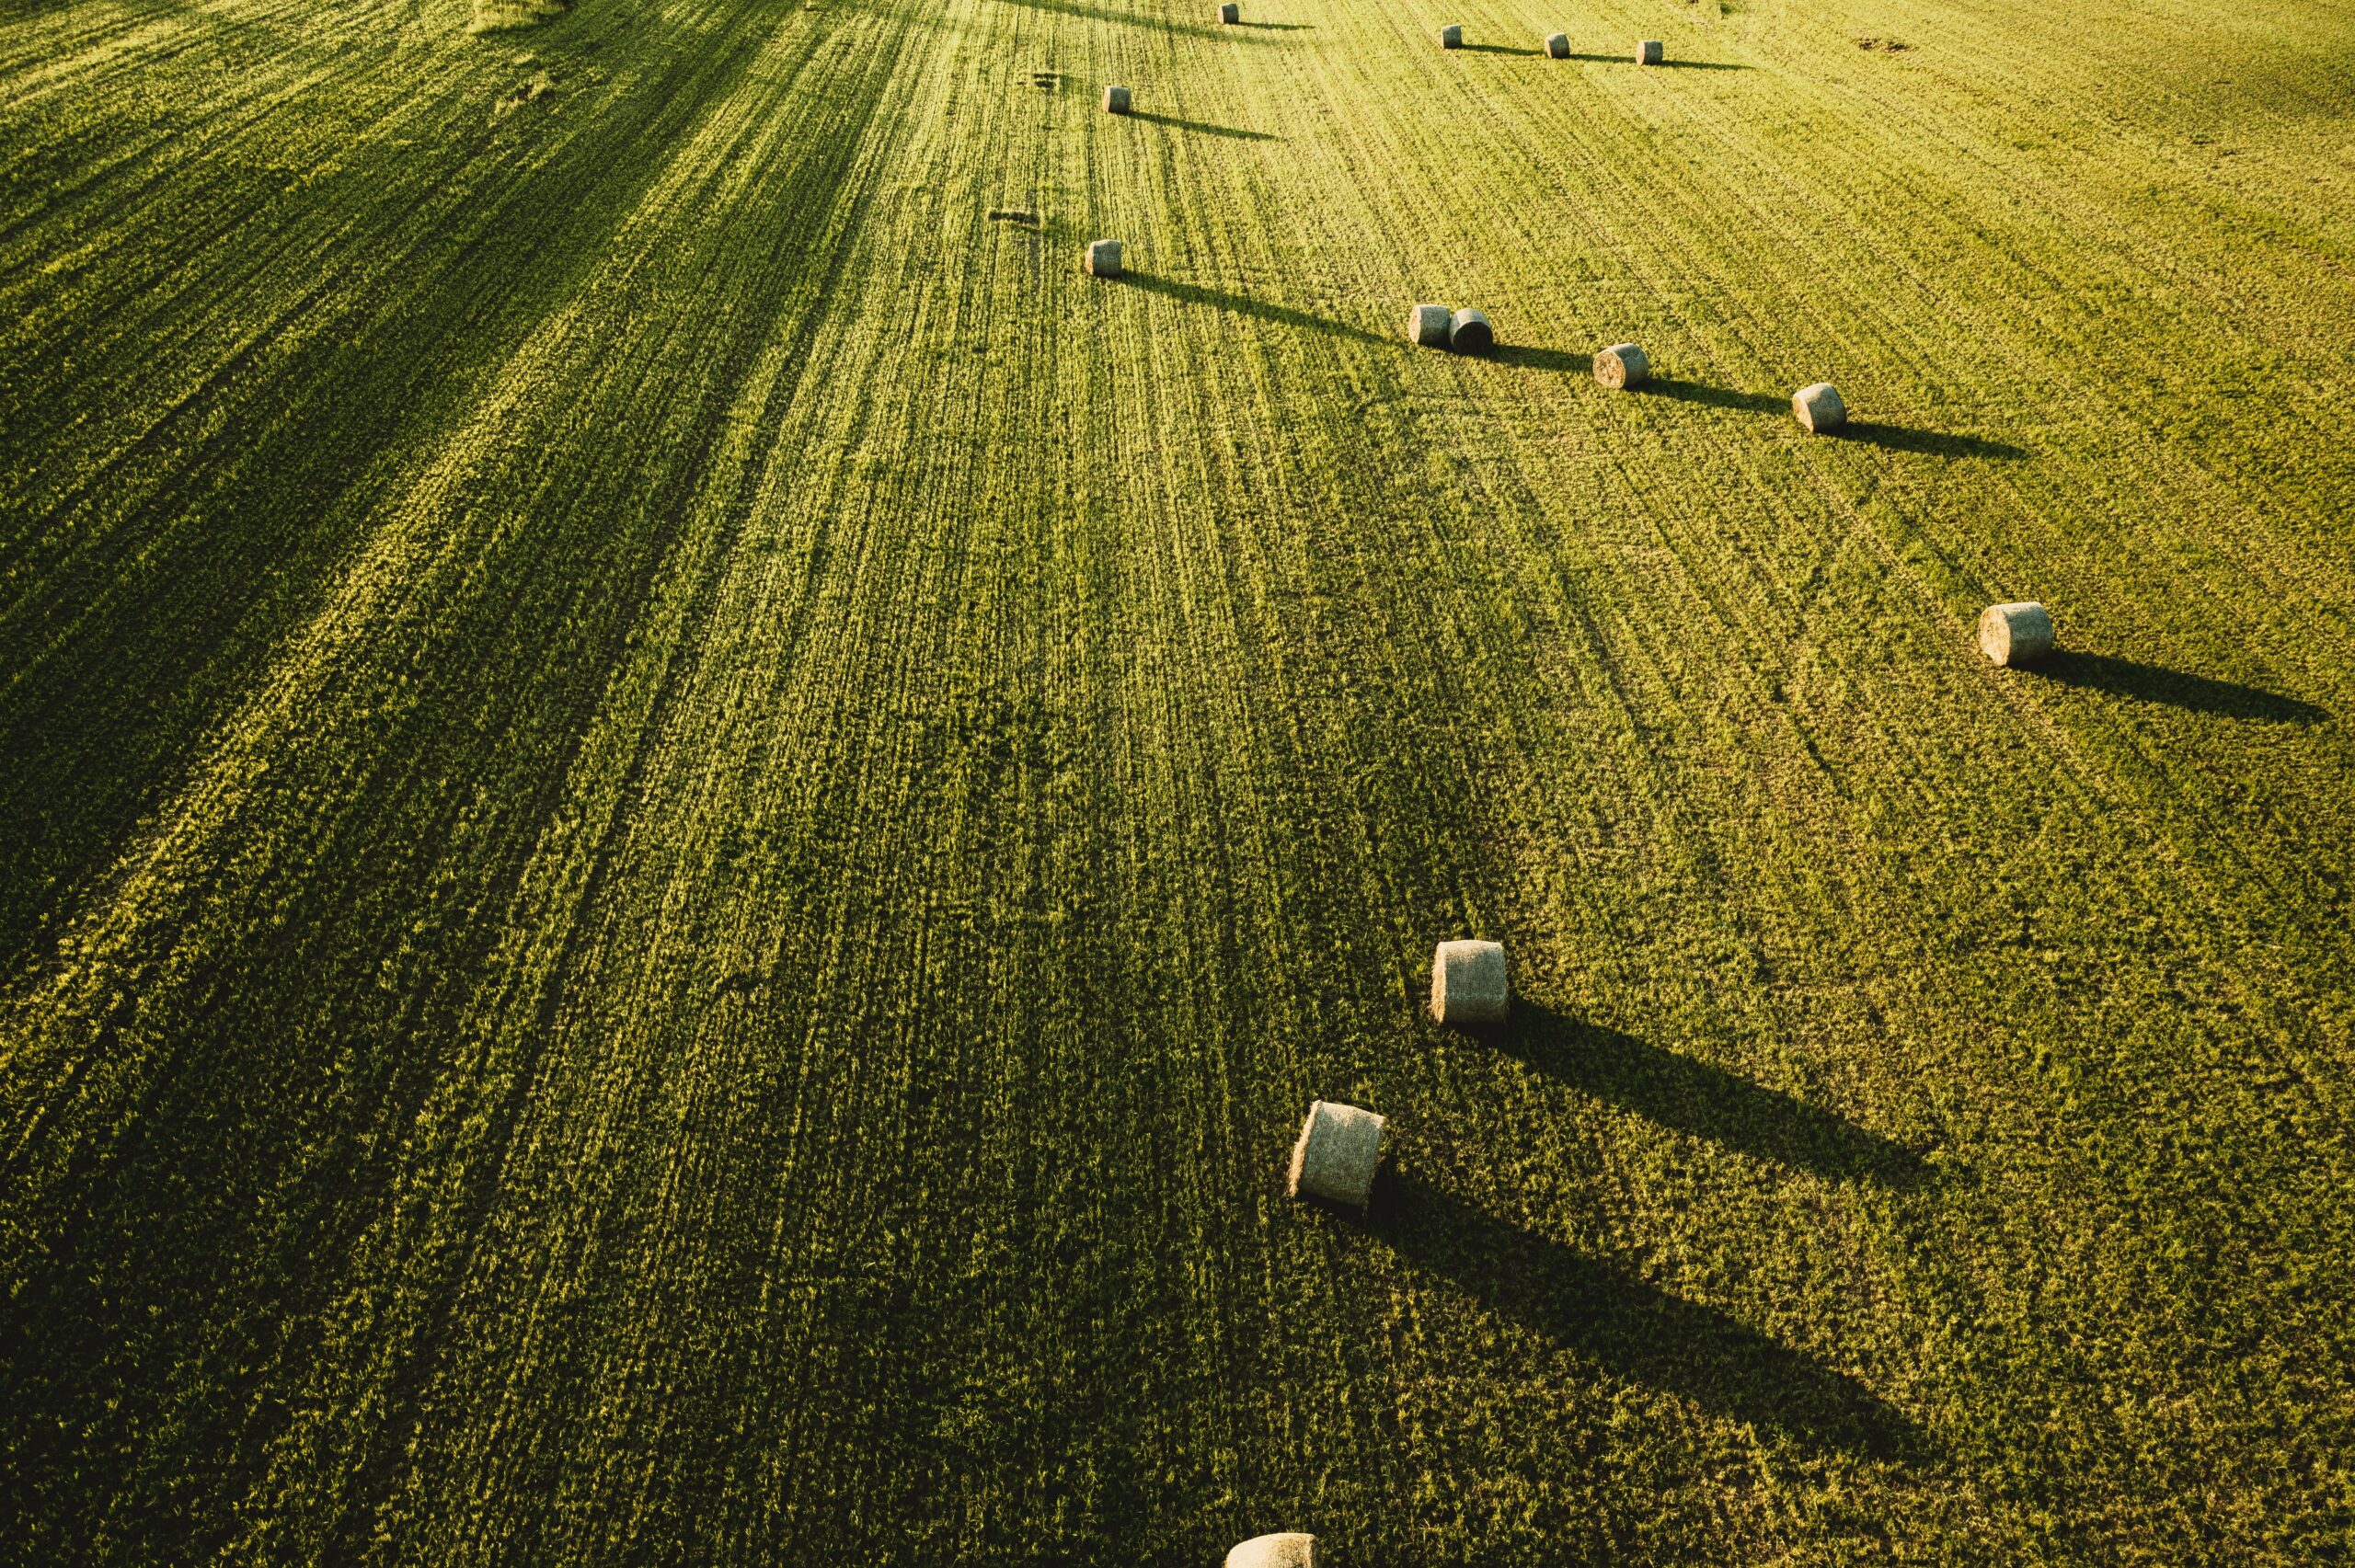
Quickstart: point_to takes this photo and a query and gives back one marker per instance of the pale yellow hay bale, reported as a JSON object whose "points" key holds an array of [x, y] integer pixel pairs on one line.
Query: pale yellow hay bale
{"points": [[1468, 983], [1622, 366], [1230, 12], [1557, 46], [1817, 406], [2015, 633], [1335, 1159], [1649, 52], [1116, 101], [1427, 325], [1451, 36], [1290, 1548], [1104, 258]]}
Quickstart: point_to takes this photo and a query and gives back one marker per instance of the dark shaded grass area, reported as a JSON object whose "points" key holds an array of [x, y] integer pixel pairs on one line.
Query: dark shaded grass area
{"points": [[94, 739], [1559, 361], [1716, 397], [1633, 1329], [1204, 127], [1258, 310], [1690, 1095], [2156, 684], [192, 1252], [1932, 443]]}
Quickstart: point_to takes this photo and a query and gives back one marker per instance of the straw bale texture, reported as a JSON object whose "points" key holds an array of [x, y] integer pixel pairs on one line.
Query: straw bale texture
{"points": [[1290, 1548], [1817, 406], [1334, 1158], [1427, 325], [2015, 633], [1468, 984], [1622, 366]]}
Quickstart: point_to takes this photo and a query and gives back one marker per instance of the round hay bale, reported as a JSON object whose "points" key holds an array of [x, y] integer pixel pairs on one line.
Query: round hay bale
{"points": [[1557, 46], [1116, 101], [1427, 325], [1649, 52], [2015, 633], [1290, 1548], [1451, 38], [1230, 12], [1621, 367], [1468, 983], [1818, 407], [1339, 1147], [1469, 333], [1104, 258]]}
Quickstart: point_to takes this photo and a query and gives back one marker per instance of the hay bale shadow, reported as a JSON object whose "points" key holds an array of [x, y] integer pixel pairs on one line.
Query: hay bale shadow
{"points": [[1204, 127], [1556, 360], [1258, 310], [1933, 443], [1634, 1329], [1717, 396], [2174, 688], [1691, 1096]]}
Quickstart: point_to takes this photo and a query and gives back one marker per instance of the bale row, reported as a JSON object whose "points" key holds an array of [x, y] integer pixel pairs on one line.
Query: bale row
{"points": [[1648, 51], [1434, 326]]}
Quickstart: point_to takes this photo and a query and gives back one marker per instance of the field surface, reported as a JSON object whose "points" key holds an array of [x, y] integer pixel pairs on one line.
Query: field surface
{"points": [[685, 826]]}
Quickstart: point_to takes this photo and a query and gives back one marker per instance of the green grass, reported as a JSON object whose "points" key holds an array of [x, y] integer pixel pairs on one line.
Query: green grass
{"points": [[686, 826]]}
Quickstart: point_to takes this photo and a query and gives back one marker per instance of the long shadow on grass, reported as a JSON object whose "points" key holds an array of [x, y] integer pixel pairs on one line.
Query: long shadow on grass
{"points": [[1692, 1096], [1204, 128], [1496, 49], [1105, 14], [1635, 1330], [1559, 360], [1937, 443], [2176, 688], [1243, 305], [1697, 65], [1715, 396]]}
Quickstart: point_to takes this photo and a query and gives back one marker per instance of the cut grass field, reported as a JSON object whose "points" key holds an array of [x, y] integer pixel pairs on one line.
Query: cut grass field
{"points": [[686, 826]]}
